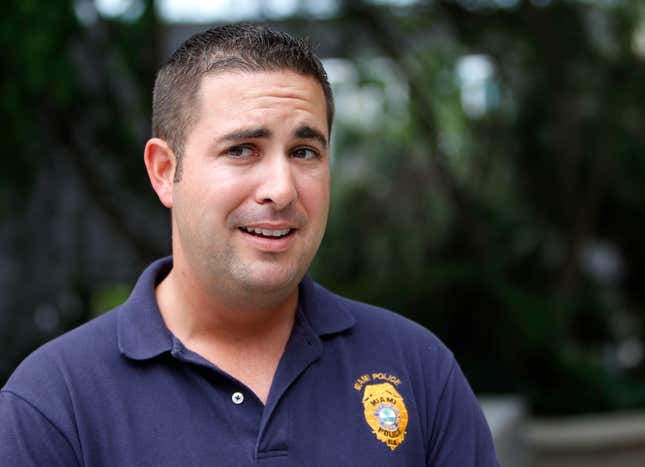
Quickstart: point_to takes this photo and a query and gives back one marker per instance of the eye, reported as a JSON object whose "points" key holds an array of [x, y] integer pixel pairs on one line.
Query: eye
{"points": [[305, 153], [240, 152]]}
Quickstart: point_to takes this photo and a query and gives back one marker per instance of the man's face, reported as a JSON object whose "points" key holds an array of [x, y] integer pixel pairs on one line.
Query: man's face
{"points": [[251, 208]]}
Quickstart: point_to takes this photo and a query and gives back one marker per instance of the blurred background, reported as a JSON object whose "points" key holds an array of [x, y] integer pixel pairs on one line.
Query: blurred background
{"points": [[488, 171]]}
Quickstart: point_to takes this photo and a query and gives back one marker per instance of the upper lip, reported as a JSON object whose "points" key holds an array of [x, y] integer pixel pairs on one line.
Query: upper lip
{"points": [[269, 226]]}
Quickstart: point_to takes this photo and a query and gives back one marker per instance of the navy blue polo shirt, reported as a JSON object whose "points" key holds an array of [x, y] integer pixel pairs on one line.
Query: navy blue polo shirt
{"points": [[356, 386]]}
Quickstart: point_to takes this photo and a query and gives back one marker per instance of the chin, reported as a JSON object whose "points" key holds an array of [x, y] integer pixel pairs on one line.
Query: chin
{"points": [[271, 279]]}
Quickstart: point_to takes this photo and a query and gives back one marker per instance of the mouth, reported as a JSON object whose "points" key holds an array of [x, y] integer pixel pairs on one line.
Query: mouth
{"points": [[267, 233]]}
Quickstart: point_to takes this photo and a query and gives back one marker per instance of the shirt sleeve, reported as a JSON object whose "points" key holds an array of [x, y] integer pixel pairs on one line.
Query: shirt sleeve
{"points": [[29, 438], [460, 434]]}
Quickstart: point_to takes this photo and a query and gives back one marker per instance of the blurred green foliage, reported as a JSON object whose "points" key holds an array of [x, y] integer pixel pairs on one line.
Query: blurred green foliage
{"points": [[480, 226], [477, 226], [108, 297], [36, 41]]}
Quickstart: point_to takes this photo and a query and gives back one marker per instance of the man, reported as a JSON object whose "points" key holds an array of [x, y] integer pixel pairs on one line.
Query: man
{"points": [[228, 353]]}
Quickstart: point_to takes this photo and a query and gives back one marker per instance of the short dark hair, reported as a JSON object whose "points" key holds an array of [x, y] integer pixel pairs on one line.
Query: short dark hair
{"points": [[243, 47]]}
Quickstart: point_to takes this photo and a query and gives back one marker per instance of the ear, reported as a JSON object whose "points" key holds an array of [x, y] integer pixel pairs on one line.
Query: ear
{"points": [[161, 164]]}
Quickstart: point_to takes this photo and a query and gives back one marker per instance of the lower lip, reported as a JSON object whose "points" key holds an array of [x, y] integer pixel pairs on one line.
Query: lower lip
{"points": [[269, 245]]}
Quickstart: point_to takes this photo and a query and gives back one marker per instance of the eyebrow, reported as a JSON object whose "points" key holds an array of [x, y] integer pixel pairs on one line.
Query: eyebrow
{"points": [[308, 132], [251, 133], [304, 132]]}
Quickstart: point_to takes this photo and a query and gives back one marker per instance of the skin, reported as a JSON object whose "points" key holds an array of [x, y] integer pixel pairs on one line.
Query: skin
{"points": [[256, 157]]}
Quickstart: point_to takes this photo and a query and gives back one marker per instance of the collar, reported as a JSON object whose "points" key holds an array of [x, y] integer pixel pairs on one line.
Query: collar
{"points": [[143, 335], [141, 332], [324, 311]]}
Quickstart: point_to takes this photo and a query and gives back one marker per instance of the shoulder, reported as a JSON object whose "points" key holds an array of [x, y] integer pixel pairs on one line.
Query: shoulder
{"points": [[52, 365], [383, 338], [45, 387], [431, 380], [378, 321]]}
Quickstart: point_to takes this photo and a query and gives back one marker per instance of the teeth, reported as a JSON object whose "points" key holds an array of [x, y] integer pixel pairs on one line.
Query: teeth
{"points": [[267, 233]]}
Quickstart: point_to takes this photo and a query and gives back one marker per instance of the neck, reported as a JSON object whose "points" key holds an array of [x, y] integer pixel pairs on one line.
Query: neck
{"points": [[244, 340], [204, 316]]}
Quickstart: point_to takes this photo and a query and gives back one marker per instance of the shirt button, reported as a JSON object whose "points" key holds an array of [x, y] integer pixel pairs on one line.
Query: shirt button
{"points": [[237, 398]]}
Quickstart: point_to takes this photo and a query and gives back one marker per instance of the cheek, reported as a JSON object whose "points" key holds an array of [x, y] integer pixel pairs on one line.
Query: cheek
{"points": [[222, 191], [232, 185], [314, 194]]}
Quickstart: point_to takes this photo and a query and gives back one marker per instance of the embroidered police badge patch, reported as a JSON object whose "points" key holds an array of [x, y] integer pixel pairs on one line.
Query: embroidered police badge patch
{"points": [[385, 413]]}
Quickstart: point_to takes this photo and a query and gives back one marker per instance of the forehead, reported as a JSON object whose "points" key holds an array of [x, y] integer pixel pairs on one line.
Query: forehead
{"points": [[254, 97]]}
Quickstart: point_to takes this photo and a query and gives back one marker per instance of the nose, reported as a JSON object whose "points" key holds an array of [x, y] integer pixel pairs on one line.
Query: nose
{"points": [[277, 185]]}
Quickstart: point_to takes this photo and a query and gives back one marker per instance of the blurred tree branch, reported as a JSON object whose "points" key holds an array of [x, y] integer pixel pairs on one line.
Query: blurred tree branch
{"points": [[440, 177]]}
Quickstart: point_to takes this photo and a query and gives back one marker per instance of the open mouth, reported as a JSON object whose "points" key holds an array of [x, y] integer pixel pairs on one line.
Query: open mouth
{"points": [[267, 233]]}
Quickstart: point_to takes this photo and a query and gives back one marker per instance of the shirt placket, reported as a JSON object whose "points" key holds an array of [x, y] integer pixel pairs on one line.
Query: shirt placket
{"points": [[303, 348], [263, 430]]}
